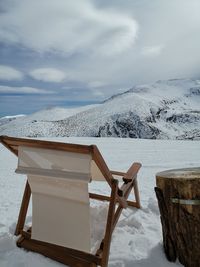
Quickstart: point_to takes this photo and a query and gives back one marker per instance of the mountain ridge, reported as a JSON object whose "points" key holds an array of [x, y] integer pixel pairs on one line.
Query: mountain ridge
{"points": [[168, 109]]}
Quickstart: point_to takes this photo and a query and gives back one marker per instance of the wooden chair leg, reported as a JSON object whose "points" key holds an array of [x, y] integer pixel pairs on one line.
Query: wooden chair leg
{"points": [[136, 192], [109, 225], [23, 209]]}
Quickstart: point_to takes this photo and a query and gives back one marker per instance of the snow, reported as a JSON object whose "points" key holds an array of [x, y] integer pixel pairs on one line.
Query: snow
{"points": [[137, 239], [12, 117], [7, 119], [57, 113]]}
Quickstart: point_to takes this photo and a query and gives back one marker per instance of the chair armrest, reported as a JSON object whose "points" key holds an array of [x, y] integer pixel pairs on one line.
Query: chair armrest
{"points": [[132, 172], [129, 178]]}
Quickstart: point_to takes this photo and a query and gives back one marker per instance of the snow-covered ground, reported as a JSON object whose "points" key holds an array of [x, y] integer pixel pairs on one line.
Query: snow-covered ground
{"points": [[137, 239]]}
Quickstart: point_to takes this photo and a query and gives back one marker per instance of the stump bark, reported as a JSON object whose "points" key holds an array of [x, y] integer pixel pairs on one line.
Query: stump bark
{"points": [[178, 194]]}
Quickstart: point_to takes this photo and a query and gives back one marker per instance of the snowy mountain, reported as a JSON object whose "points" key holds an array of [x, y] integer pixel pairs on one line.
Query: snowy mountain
{"points": [[7, 119], [162, 110], [38, 123]]}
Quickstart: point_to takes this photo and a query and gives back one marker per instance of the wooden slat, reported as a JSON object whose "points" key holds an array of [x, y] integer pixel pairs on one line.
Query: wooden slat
{"points": [[64, 255], [126, 186], [107, 198], [100, 249], [14, 147], [133, 204], [9, 142], [109, 225], [26, 235], [23, 209], [133, 170]]}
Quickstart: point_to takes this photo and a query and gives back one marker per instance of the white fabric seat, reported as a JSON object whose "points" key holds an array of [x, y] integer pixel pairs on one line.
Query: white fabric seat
{"points": [[60, 197]]}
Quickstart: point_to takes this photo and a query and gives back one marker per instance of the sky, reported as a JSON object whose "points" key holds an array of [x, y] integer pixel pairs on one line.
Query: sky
{"points": [[71, 53]]}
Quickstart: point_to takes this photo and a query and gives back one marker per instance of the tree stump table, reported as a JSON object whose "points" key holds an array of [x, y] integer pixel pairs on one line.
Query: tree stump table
{"points": [[178, 194]]}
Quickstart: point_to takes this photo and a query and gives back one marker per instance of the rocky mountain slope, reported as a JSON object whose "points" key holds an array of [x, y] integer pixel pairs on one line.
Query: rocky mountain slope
{"points": [[162, 110]]}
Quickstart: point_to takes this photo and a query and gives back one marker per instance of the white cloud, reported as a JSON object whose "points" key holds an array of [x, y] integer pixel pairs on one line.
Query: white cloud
{"points": [[48, 75], [8, 73], [150, 51], [97, 93], [96, 84], [22, 90], [67, 27], [93, 41]]}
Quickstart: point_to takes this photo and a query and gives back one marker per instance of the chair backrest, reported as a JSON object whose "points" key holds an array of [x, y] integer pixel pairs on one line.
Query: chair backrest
{"points": [[54, 163], [57, 163], [60, 198]]}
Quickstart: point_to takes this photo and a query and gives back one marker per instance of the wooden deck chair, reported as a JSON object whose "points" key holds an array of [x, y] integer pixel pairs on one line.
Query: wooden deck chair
{"points": [[57, 177]]}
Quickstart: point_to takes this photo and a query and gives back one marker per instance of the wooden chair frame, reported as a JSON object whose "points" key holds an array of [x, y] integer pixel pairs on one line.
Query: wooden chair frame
{"points": [[118, 201]]}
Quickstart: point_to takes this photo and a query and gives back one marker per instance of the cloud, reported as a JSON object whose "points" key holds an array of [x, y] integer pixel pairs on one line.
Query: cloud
{"points": [[66, 27], [9, 74], [97, 93], [23, 90], [48, 75], [104, 45], [96, 84], [150, 51]]}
